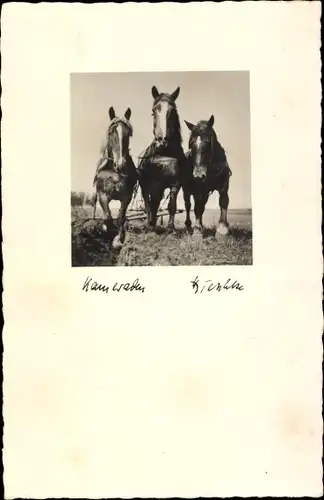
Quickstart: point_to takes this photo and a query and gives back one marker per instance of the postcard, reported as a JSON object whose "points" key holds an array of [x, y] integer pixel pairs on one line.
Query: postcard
{"points": [[161, 194]]}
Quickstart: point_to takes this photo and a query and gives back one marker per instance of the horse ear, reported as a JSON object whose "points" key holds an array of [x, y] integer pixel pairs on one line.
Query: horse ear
{"points": [[128, 113], [155, 92], [112, 113], [211, 121], [189, 125], [176, 93]]}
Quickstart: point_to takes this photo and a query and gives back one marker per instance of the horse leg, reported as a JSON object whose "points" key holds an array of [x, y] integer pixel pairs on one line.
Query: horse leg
{"points": [[186, 197], [172, 207], [200, 202], [104, 201], [156, 197], [120, 238], [222, 227], [147, 205]]}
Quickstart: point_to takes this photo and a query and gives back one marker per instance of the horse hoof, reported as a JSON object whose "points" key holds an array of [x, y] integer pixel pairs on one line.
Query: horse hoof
{"points": [[197, 232], [222, 229], [117, 244], [170, 229], [104, 228]]}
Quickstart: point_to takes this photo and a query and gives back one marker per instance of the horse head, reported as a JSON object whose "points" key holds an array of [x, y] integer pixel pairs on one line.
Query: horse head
{"points": [[119, 133], [202, 143], [166, 124]]}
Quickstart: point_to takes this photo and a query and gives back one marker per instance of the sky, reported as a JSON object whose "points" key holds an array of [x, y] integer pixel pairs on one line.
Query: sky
{"points": [[225, 94]]}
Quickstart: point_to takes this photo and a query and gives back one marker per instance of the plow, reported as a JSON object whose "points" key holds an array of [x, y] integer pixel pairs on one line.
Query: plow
{"points": [[136, 210]]}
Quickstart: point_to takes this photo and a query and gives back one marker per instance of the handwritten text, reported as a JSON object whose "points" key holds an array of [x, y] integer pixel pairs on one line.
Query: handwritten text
{"points": [[94, 286], [213, 286]]}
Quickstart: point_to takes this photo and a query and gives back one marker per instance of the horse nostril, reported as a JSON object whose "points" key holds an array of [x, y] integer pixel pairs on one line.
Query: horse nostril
{"points": [[200, 176]]}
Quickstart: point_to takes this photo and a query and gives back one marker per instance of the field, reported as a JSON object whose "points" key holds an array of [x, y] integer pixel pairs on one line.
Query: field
{"points": [[92, 247]]}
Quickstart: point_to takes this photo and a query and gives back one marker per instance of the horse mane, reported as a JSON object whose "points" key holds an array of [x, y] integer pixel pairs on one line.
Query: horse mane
{"points": [[202, 129], [113, 124], [165, 97]]}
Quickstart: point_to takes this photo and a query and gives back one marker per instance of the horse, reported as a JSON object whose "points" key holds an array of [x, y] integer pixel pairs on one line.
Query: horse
{"points": [[162, 164], [209, 172], [116, 174]]}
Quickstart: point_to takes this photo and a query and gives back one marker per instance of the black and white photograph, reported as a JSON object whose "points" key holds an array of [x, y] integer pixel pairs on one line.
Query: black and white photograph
{"points": [[162, 283], [161, 169]]}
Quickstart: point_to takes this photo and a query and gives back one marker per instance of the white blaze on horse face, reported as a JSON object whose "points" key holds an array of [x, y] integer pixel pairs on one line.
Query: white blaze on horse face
{"points": [[199, 171], [161, 121], [119, 156], [198, 147]]}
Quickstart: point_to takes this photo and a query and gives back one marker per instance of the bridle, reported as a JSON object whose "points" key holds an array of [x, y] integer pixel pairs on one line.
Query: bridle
{"points": [[108, 158], [112, 127], [224, 164], [164, 98]]}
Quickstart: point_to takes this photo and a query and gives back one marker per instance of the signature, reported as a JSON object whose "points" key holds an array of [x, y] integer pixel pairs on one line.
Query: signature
{"points": [[213, 286], [94, 286]]}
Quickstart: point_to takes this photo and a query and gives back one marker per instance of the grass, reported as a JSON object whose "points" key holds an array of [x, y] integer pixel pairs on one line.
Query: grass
{"points": [[92, 247]]}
